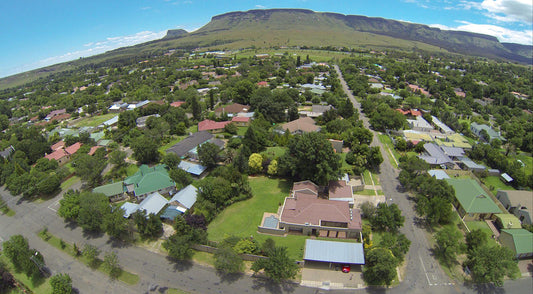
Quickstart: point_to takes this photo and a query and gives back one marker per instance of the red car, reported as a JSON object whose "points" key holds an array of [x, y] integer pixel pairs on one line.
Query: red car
{"points": [[346, 268]]}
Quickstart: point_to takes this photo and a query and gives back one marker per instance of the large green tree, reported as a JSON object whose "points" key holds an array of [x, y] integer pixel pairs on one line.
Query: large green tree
{"points": [[208, 154], [89, 168], [491, 264], [311, 157], [448, 243], [278, 266], [94, 207], [61, 284], [380, 267], [145, 150], [227, 261], [387, 218], [23, 258]]}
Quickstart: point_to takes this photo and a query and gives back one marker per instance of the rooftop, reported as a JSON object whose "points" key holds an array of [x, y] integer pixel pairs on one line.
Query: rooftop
{"points": [[209, 125], [472, 197], [523, 240], [181, 148], [339, 190], [110, 189], [304, 124], [149, 179], [331, 251], [186, 196]]}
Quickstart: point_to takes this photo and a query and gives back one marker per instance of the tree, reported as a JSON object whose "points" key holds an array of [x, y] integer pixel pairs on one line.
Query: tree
{"points": [[23, 258], [255, 139], [91, 253], [387, 218], [179, 246], [380, 267], [118, 158], [111, 264], [145, 150], [227, 261], [180, 177], [491, 264], [148, 226], [231, 128], [398, 244], [448, 243], [310, 157], [273, 168], [69, 206], [475, 239], [171, 160], [268, 246], [279, 266], [49, 185], [61, 284], [196, 108], [89, 168], [255, 163], [115, 224], [127, 120], [208, 154], [94, 207], [7, 281]]}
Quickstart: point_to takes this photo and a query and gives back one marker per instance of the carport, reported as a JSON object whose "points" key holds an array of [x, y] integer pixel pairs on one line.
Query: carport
{"points": [[334, 252]]}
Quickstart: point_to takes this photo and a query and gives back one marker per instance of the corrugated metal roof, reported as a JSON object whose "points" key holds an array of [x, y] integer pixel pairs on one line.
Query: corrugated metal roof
{"points": [[192, 168], [186, 196], [153, 203], [129, 208], [331, 251], [438, 174]]}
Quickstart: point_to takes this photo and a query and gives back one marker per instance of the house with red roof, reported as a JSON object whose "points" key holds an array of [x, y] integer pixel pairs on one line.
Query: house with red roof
{"points": [[417, 89], [262, 84], [177, 103], [212, 126], [62, 155], [241, 121], [93, 150]]}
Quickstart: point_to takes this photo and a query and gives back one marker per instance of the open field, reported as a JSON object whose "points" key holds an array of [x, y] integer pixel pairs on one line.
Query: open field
{"points": [[95, 121]]}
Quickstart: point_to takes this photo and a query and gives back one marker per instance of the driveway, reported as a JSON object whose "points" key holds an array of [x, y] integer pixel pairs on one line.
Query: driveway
{"points": [[321, 275]]}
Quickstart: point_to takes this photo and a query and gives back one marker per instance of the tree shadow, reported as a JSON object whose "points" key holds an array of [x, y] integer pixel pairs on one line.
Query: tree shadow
{"points": [[376, 289], [180, 265], [92, 234], [72, 225], [270, 286], [119, 243], [485, 288], [229, 278]]}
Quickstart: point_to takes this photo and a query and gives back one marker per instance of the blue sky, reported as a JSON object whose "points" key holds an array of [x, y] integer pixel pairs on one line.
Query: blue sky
{"points": [[36, 33]]}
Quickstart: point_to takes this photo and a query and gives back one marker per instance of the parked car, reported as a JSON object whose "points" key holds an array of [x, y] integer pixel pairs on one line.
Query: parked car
{"points": [[346, 268]]}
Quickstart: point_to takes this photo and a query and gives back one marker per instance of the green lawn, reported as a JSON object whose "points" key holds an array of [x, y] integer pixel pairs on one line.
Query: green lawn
{"points": [[275, 152], [473, 225], [94, 121], [171, 143], [66, 184], [4, 209], [369, 192], [528, 162], [366, 177], [131, 170], [126, 277], [241, 131], [494, 184], [243, 218], [40, 285]]}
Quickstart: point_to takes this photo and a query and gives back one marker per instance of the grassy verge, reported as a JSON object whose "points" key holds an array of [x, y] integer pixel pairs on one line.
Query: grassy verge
{"points": [[369, 192], [66, 184], [4, 209], [472, 225], [242, 218], [38, 285], [175, 291], [124, 276], [204, 258], [385, 140]]}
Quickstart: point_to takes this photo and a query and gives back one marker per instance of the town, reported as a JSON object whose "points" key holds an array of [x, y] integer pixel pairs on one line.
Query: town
{"points": [[313, 166]]}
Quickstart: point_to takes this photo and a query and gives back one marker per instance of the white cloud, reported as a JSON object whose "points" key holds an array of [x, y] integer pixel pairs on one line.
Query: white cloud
{"points": [[503, 34], [509, 10], [93, 48], [258, 6]]}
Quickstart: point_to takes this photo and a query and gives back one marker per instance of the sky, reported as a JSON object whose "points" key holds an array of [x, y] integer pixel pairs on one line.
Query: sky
{"points": [[37, 33]]}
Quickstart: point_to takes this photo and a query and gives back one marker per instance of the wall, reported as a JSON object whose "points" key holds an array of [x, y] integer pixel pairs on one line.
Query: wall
{"points": [[271, 231]]}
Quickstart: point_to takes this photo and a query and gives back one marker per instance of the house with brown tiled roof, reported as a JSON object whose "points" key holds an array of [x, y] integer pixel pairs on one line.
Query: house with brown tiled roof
{"points": [[340, 191], [58, 145], [62, 155], [54, 113], [232, 109], [177, 103], [212, 126], [301, 125], [307, 214], [417, 89], [241, 121]]}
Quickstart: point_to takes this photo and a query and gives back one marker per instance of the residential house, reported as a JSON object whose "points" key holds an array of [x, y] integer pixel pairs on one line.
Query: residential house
{"points": [[93, 150], [340, 191], [455, 140], [241, 121], [110, 122], [177, 103], [115, 191], [434, 156], [194, 169], [232, 109], [188, 146], [153, 203], [118, 107], [185, 198], [472, 202], [420, 124], [301, 125], [468, 164], [212, 126], [307, 214], [441, 126], [507, 221], [438, 174], [141, 121], [148, 180], [6, 153], [54, 113], [519, 203], [62, 155], [520, 241], [316, 110], [477, 129]]}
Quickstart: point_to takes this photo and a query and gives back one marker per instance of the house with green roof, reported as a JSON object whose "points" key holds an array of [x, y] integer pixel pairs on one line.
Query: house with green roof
{"points": [[472, 202], [115, 191], [507, 221], [520, 241], [148, 180]]}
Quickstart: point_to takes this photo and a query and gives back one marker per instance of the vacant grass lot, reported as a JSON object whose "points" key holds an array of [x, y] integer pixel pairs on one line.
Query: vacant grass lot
{"points": [[242, 218], [94, 121], [494, 184]]}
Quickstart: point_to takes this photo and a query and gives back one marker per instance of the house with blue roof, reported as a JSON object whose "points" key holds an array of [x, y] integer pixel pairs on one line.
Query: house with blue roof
{"points": [[153, 203], [185, 198], [194, 169]]}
